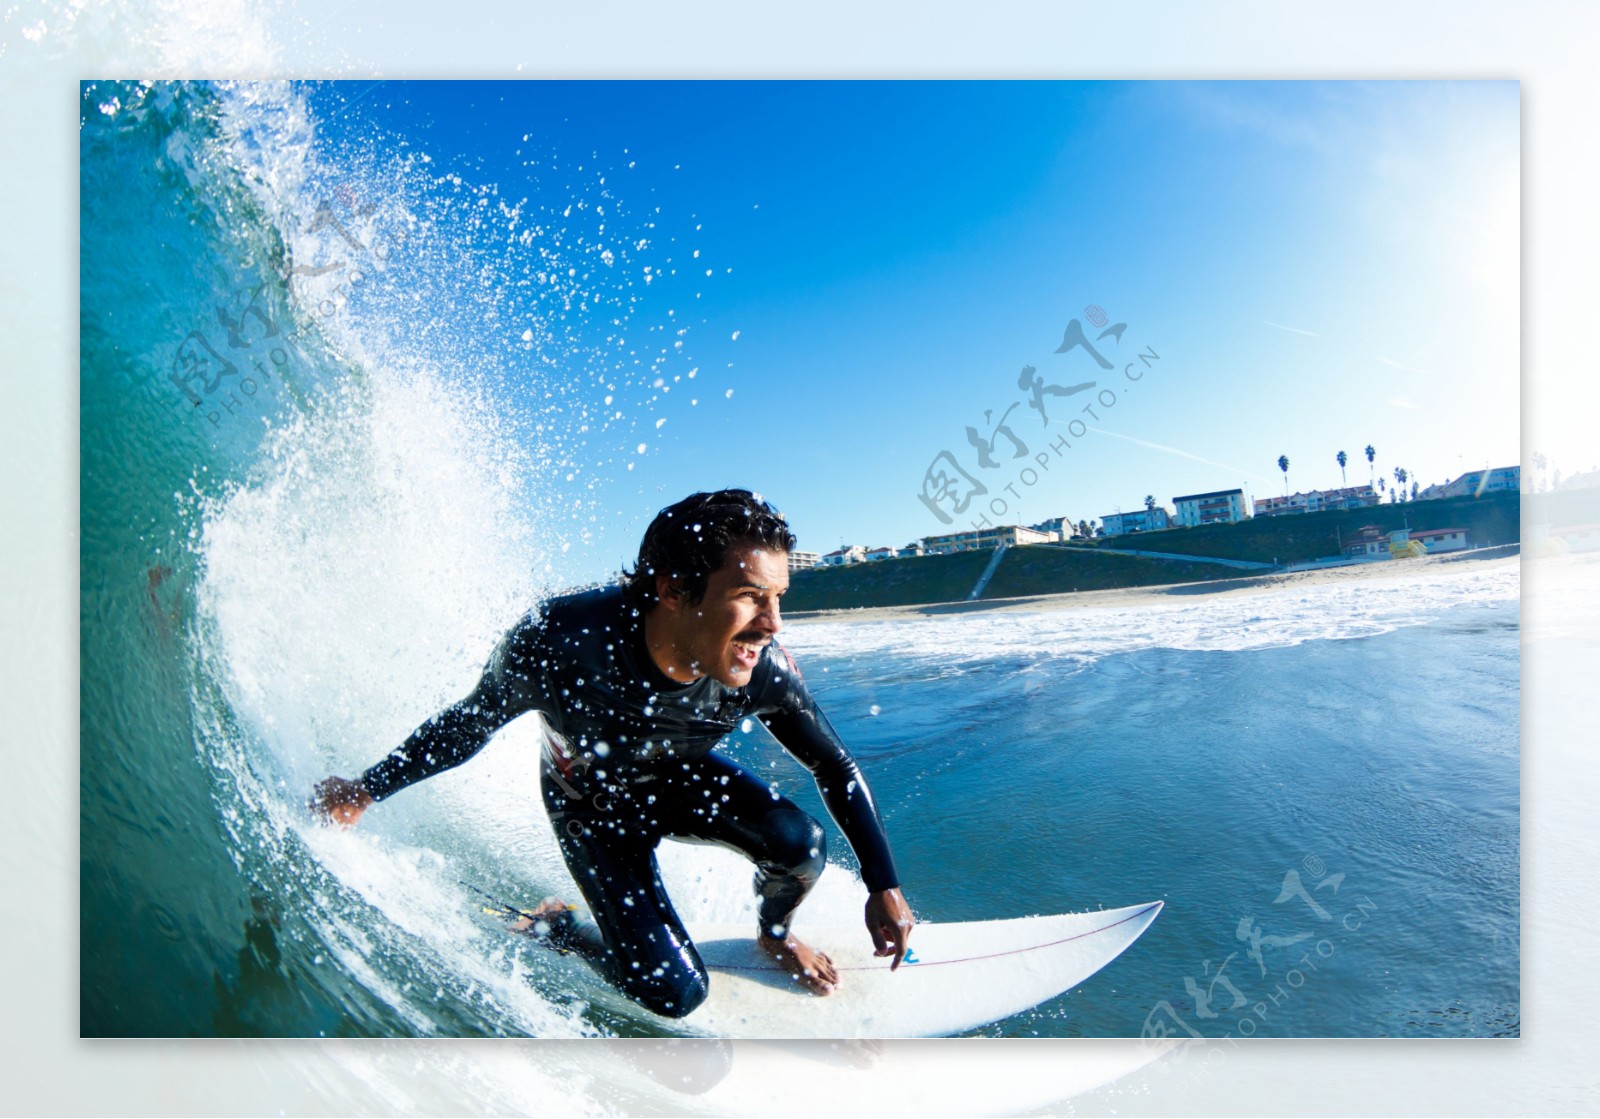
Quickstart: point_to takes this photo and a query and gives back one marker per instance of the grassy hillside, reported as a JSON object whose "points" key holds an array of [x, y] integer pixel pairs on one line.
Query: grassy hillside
{"points": [[1491, 519], [898, 582], [1053, 569], [1034, 569], [1046, 569]]}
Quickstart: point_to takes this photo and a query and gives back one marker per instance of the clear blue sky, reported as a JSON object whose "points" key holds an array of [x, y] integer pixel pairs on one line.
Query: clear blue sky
{"points": [[1319, 266]]}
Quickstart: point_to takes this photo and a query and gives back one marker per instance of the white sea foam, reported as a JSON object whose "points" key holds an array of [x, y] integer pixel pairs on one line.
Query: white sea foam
{"points": [[355, 580], [1274, 617]]}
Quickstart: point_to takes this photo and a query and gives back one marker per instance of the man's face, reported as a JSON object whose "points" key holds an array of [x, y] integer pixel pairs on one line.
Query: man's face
{"points": [[722, 635]]}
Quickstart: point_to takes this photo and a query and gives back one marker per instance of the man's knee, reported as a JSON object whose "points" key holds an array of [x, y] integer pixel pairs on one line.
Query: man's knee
{"points": [[657, 969], [797, 842], [674, 993]]}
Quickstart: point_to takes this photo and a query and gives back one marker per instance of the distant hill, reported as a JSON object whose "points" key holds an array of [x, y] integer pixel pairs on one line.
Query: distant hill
{"points": [[1032, 569], [1047, 569], [1294, 538], [896, 582], [1086, 566]]}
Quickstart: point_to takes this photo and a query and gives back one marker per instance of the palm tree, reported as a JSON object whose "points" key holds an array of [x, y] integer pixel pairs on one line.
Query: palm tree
{"points": [[1400, 476], [1342, 461], [1371, 454], [1283, 465]]}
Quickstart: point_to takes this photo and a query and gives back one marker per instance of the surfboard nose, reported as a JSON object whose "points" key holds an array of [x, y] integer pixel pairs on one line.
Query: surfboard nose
{"points": [[1148, 913]]}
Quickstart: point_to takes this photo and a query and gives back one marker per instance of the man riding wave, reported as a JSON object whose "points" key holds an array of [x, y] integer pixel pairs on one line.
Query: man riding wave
{"points": [[636, 685]]}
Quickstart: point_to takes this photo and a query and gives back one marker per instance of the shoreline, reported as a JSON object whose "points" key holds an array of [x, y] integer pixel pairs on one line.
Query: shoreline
{"points": [[1123, 597]]}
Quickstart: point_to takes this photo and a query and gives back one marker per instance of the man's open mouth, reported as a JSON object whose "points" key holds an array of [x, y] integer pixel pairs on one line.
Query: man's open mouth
{"points": [[747, 652]]}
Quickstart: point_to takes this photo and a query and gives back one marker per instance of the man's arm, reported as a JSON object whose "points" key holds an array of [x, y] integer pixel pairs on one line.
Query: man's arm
{"points": [[506, 690], [803, 730]]}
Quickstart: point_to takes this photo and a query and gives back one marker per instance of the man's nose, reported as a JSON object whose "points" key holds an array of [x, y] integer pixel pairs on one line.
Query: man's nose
{"points": [[770, 614]]}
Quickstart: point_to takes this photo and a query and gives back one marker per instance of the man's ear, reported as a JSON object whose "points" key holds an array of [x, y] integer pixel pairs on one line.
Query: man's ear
{"points": [[669, 591]]}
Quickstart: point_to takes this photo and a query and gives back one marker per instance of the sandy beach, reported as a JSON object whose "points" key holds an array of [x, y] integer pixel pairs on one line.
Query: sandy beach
{"points": [[1125, 597]]}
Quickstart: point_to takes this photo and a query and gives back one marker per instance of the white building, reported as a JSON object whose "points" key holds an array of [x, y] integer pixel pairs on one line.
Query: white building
{"points": [[1216, 507], [1140, 520], [1349, 497], [1369, 540], [1372, 542], [853, 553], [799, 561], [1476, 482], [1442, 539], [1056, 528], [1061, 528]]}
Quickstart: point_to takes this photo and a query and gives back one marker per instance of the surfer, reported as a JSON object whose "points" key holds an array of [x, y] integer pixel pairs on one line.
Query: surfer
{"points": [[636, 684]]}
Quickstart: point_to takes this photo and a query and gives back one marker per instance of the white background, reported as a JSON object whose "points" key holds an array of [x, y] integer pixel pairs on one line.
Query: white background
{"points": [[48, 47]]}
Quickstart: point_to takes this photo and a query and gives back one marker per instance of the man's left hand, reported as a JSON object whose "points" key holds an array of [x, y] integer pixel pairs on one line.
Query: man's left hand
{"points": [[889, 921], [337, 801]]}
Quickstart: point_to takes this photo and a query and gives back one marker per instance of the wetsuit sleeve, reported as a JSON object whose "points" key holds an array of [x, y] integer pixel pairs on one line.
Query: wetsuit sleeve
{"points": [[788, 710], [510, 686]]}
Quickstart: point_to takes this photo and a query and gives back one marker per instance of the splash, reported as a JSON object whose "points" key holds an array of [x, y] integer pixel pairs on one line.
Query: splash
{"points": [[468, 366]]}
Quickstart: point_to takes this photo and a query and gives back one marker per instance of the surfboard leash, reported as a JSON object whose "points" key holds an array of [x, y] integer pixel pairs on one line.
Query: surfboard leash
{"points": [[507, 910], [501, 908]]}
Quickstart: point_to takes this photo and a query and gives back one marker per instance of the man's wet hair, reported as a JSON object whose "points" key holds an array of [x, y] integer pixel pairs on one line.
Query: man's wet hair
{"points": [[691, 539]]}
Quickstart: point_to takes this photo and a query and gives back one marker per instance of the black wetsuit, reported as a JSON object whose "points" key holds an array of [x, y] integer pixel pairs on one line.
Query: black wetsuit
{"points": [[628, 761]]}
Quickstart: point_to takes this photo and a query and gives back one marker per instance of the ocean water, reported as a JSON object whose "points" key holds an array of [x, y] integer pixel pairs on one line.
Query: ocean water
{"points": [[312, 497], [1320, 782]]}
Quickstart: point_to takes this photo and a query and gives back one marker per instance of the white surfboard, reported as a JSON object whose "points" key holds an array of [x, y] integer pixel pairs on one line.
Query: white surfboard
{"points": [[958, 976]]}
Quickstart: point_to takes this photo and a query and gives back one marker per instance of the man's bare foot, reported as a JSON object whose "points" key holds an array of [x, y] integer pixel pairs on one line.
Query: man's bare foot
{"points": [[808, 966]]}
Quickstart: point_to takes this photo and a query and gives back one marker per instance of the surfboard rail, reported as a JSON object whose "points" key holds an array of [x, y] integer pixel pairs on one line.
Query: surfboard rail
{"points": [[958, 976]]}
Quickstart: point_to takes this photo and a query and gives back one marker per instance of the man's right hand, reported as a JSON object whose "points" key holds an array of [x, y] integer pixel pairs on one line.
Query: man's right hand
{"points": [[337, 801]]}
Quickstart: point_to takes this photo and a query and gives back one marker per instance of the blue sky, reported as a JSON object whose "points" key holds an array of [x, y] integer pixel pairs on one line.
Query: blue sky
{"points": [[1319, 266]]}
